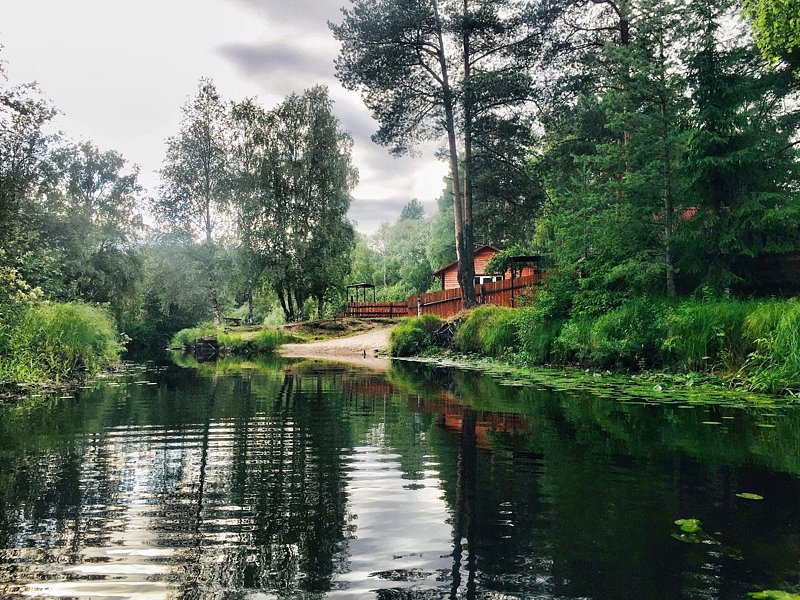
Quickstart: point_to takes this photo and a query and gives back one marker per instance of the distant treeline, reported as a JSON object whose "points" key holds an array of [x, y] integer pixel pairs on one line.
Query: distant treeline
{"points": [[250, 222], [650, 147]]}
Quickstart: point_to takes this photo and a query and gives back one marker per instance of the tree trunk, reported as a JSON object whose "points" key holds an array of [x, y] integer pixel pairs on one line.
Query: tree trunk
{"points": [[250, 301], [320, 305], [463, 254], [286, 306], [467, 266], [666, 173], [212, 292], [212, 283], [299, 304]]}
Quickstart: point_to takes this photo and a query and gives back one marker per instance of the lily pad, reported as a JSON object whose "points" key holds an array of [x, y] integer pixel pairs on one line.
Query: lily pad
{"points": [[688, 525], [749, 496]]}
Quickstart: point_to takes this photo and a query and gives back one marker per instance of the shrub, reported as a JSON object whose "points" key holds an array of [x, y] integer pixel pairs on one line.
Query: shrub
{"points": [[572, 344], [413, 336], [488, 330], [774, 365], [264, 342], [186, 337], [708, 334], [57, 341], [468, 338], [267, 340], [501, 336], [629, 336], [537, 334]]}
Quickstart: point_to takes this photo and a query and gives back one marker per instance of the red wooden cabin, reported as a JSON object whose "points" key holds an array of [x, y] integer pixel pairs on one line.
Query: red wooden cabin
{"points": [[448, 274]]}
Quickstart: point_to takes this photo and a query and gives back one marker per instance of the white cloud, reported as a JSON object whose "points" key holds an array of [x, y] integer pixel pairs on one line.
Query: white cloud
{"points": [[120, 71]]}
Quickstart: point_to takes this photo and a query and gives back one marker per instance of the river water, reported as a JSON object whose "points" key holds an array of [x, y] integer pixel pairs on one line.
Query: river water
{"points": [[304, 479]]}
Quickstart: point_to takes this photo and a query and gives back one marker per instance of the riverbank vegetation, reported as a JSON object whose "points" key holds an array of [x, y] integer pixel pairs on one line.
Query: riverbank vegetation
{"points": [[753, 344], [236, 343], [53, 342]]}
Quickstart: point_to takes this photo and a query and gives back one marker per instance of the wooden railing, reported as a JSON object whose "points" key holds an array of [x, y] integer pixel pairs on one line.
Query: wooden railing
{"points": [[375, 310], [447, 302]]}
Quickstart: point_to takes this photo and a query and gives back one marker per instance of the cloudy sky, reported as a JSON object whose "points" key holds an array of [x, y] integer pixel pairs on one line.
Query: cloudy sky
{"points": [[119, 72]]}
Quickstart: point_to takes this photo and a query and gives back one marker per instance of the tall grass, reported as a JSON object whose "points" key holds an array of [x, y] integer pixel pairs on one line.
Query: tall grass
{"points": [[630, 336], [774, 365], [56, 341], [708, 335], [755, 342], [537, 335], [265, 341], [572, 343], [488, 330], [412, 336]]}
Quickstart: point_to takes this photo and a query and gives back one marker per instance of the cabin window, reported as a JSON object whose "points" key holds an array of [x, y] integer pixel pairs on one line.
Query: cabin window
{"points": [[481, 279]]}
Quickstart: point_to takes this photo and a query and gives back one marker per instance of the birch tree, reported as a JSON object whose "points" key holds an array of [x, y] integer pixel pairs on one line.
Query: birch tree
{"points": [[194, 194]]}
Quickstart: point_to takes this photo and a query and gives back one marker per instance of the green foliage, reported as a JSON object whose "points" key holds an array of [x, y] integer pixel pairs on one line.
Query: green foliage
{"points": [[56, 341], [236, 343], [186, 337], [489, 330], [537, 335], [573, 342], [412, 336], [774, 365], [267, 340], [776, 28], [688, 525], [707, 335], [501, 262], [629, 336], [292, 175], [749, 496], [774, 595]]}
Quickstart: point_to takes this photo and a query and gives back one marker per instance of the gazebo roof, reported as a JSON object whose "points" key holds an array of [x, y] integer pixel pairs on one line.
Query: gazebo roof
{"points": [[360, 286]]}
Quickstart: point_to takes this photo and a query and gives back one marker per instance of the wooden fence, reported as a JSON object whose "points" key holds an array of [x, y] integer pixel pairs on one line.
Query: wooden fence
{"points": [[376, 310], [448, 302]]}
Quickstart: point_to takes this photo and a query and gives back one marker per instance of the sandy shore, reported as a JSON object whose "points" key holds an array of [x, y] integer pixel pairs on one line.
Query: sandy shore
{"points": [[355, 349]]}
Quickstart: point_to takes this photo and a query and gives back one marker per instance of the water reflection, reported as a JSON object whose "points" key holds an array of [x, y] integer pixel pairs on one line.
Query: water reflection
{"points": [[272, 479]]}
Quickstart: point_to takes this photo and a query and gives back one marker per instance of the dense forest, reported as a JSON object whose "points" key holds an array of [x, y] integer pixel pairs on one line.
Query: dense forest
{"points": [[650, 149], [650, 145]]}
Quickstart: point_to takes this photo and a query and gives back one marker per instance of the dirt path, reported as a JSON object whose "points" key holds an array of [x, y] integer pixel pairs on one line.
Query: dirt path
{"points": [[356, 349]]}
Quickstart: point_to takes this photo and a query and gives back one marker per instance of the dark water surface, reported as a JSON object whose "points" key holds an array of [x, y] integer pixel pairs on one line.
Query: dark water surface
{"points": [[304, 480]]}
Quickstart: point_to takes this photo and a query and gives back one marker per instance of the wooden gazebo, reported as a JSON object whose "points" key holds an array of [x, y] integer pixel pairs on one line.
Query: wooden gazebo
{"points": [[363, 287]]}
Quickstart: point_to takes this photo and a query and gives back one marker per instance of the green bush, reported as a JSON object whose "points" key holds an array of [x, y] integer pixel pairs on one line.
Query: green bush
{"points": [[708, 334], [630, 336], [503, 333], [573, 342], [54, 341], [774, 365], [413, 336], [537, 335], [469, 337], [264, 342], [488, 330], [186, 337], [267, 340]]}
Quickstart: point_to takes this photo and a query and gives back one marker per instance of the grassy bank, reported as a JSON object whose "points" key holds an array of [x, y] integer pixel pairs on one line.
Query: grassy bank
{"points": [[232, 342], [753, 344], [43, 342]]}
